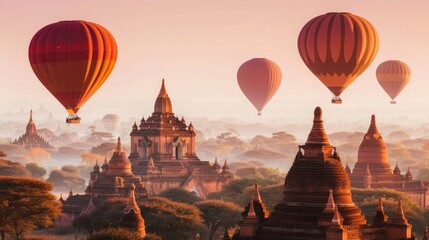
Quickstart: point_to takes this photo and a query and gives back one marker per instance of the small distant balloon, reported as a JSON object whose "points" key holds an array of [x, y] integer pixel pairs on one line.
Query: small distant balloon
{"points": [[72, 59], [259, 79], [337, 48], [393, 76], [111, 122]]}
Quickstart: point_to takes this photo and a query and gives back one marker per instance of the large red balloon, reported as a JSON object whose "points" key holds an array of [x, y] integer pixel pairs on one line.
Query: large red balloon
{"points": [[259, 79], [337, 48], [393, 76], [72, 59]]}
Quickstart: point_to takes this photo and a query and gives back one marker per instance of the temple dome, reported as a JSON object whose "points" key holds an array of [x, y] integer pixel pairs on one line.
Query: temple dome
{"points": [[316, 170], [119, 164], [163, 103]]}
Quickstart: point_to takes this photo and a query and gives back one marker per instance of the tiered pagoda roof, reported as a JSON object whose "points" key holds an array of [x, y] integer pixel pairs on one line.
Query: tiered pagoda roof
{"points": [[31, 139]]}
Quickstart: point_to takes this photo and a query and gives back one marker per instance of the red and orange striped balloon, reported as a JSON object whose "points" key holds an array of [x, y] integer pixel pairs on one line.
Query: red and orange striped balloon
{"points": [[337, 48], [259, 79], [393, 76], [72, 59]]}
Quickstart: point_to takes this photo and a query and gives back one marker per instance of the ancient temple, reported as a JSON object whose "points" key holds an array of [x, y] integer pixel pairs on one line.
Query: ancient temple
{"points": [[372, 169], [114, 180], [31, 139], [163, 154], [317, 202]]}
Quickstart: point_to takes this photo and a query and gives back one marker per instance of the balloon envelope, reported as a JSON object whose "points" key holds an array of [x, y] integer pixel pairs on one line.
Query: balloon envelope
{"points": [[337, 48], [393, 76], [72, 59], [111, 122], [259, 79]]}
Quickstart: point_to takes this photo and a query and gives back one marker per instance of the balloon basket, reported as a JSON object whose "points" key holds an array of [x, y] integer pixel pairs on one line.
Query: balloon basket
{"points": [[336, 100], [259, 113], [392, 102], [73, 119]]}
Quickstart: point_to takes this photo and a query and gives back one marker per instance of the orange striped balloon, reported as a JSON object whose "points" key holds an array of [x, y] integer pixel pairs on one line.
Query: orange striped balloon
{"points": [[337, 48], [72, 59], [393, 76], [259, 79]]}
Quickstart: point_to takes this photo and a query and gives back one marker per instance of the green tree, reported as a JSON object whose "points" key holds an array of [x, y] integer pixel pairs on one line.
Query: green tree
{"points": [[115, 234], [180, 195], [171, 220], [217, 213], [35, 170], [163, 217], [25, 204]]}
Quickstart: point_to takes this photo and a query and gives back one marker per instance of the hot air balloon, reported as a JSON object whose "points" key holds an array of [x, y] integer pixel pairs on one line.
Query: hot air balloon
{"points": [[337, 48], [111, 122], [259, 79], [393, 76], [72, 59]]}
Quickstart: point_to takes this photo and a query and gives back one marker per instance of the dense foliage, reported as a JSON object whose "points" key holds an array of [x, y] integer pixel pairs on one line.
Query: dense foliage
{"points": [[180, 195], [25, 204], [217, 213]]}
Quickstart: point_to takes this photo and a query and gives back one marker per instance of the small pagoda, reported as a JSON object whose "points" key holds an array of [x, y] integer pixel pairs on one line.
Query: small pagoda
{"points": [[31, 139]]}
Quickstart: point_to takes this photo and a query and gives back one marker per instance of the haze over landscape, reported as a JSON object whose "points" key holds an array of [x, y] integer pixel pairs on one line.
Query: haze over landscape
{"points": [[177, 68]]}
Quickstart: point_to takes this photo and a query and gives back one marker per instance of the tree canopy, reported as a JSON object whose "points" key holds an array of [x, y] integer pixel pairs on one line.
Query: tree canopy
{"points": [[25, 203], [217, 213], [180, 195]]}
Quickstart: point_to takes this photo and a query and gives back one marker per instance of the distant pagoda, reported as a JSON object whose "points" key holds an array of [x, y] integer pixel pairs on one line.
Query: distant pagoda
{"points": [[114, 180], [372, 169], [317, 202], [163, 154], [31, 139]]}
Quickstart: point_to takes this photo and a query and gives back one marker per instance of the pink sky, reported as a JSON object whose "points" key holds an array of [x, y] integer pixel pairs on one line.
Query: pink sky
{"points": [[197, 46]]}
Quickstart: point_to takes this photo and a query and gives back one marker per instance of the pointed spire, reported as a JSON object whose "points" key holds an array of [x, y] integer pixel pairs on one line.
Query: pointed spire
{"points": [[380, 217], [135, 126], [397, 171], [132, 204], [225, 168], [251, 212], [336, 219], [408, 175], [216, 162], [399, 216], [70, 193], [373, 130], [330, 205], [119, 146], [61, 197], [318, 134], [162, 91], [256, 196], [380, 205], [191, 127], [347, 168], [31, 117]]}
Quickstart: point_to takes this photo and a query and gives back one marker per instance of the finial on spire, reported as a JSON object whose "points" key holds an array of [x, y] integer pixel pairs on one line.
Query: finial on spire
{"points": [[256, 195], [119, 146], [318, 134], [162, 91], [225, 167], [380, 205], [336, 219], [251, 212], [330, 205], [132, 204], [31, 116]]}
